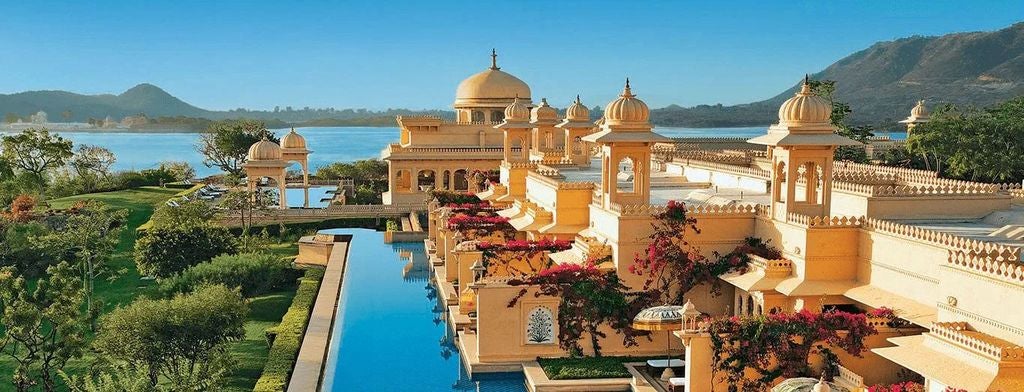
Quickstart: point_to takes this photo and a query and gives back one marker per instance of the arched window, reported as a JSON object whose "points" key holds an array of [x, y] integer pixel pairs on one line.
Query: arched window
{"points": [[425, 180], [540, 326], [445, 180], [478, 116], [626, 177], [459, 181], [497, 116]]}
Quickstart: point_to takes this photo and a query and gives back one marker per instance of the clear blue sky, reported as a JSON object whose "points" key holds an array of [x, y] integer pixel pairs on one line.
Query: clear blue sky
{"points": [[377, 54]]}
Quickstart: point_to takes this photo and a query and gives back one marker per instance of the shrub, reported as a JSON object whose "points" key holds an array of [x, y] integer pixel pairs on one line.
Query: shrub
{"points": [[254, 274], [165, 251], [182, 339], [286, 338]]}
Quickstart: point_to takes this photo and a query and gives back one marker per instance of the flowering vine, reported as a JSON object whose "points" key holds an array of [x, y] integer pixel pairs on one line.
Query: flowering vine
{"points": [[780, 344], [672, 266], [590, 298], [504, 257]]}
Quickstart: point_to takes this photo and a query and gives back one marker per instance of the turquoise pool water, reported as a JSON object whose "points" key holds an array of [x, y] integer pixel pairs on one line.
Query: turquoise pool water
{"points": [[390, 333], [317, 194]]}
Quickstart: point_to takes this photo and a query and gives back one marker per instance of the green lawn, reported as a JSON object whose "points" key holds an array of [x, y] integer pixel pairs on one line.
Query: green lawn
{"points": [[265, 312], [587, 367]]}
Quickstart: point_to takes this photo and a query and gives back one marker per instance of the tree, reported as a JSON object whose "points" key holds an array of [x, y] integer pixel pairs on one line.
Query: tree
{"points": [[66, 115], [185, 213], [91, 164], [180, 170], [88, 238], [164, 251], [36, 151], [840, 113], [11, 118], [182, 340], [21, 210], [972, 143], [44, 327], [246, 203], [225, 144]]}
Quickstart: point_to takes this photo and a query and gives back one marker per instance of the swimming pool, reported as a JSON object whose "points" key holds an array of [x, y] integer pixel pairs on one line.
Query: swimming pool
{"points": [[317, 194], [390, 333]]}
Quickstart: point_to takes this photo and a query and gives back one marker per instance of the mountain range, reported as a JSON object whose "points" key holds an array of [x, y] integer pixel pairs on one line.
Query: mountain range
{"points": [[881, 84]]}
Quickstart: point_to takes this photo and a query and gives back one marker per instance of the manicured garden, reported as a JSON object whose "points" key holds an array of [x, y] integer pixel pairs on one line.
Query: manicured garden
{"points": [[268, 287]]}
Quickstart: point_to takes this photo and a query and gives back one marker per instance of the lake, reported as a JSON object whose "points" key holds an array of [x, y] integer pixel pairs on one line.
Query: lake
{"points": [[138, 151]]}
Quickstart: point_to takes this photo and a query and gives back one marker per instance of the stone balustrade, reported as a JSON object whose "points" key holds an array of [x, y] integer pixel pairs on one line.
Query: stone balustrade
{"points": [[777, 268], [960, 333], [824, 221], [576, 185], [726, 168], [848, 378], [1003, 265], [843, 165], [941, 239]]}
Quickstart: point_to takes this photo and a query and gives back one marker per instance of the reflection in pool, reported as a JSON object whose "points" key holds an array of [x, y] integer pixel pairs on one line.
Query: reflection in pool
{"points": [[390, 332]]}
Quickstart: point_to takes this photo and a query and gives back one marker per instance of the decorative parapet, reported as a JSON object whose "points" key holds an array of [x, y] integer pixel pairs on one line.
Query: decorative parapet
{"points": [[961, 334], [867, 178], [547, 171], [939, 238], [1001, 264], [841, 166], [847, 378], [576, 185], [778, 268], [397, 149], [519, 165], [824, 221], [591, 247], [727, 168], [699, 210], [849, 187], [976, 189]]}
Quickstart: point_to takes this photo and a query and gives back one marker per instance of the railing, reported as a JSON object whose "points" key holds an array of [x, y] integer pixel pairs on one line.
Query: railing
{"points": [[727, 168], [772, 268], [849, 378], [824, 221], [398, 149], [941, 239], [990, 347], [1004, 265]]}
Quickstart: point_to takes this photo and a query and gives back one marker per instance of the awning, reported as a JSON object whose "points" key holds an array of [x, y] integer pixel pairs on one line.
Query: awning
{"points": [[912, 353], [752, 281], [800, 287], [907, 309]]}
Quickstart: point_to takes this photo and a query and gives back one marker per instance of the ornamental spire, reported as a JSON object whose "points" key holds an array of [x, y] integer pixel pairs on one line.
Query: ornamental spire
{"points": [[494, 59], [805, 88], [627, 92]]}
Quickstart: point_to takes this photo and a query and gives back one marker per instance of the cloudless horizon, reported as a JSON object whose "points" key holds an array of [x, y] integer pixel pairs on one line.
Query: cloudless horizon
{"points": [[377, 55]]}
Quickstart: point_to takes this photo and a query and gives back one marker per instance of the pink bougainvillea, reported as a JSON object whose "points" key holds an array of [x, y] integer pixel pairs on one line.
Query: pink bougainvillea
{"points": [[780, 344], [906, 386]]}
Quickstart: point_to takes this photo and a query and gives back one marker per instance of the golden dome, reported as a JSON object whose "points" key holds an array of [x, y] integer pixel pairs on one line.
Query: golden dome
{"points": [[805, 108], [544, 111], [626, 109], [919, 111], [517, 111], [293, 140], [492, 83], [577, 111], [264, 150]]}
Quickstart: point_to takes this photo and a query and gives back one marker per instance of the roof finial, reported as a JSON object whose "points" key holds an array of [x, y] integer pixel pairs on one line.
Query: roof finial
{"points": [[805, 87], [543, 102], [627, 92], [807, 78], [494, 59], [578, 98]]}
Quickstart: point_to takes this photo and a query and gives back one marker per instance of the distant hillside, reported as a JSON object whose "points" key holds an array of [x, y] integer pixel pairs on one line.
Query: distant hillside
{"points": [[144, 98], [881, 83], [165, 110]]}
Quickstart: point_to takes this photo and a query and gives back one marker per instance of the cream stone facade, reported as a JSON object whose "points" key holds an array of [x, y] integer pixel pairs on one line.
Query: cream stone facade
{"points": [[944, 254]]}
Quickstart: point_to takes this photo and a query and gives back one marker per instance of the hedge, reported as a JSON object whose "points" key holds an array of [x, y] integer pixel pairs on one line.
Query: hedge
{"points": [[286, 338], [256, 274]]}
